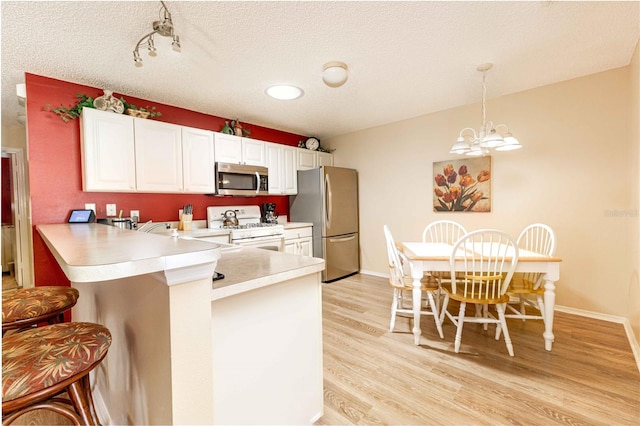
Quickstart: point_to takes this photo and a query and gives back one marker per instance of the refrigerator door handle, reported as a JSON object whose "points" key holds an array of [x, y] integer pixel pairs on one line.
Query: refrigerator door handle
{"points": [[342, 240], [328, 208]]}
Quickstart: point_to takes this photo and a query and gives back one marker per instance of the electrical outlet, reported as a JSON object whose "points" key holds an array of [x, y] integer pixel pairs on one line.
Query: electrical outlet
{"points": [[111, 209], [135, 215], [90, 206]]}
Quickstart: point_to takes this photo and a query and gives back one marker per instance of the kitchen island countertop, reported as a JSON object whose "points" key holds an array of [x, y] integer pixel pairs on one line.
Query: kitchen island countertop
{"points": [[251, 268]]}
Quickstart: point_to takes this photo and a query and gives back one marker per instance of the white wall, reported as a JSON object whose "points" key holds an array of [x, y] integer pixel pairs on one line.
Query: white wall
{"points": [[633, 293], [571, 174]]}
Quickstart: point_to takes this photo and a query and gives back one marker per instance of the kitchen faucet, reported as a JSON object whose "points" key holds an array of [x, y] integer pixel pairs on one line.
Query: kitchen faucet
{"points": [[152, 226]]}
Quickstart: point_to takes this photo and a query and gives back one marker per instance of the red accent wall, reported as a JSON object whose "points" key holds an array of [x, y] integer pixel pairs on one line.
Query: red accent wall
{"points": [[56, 177]]}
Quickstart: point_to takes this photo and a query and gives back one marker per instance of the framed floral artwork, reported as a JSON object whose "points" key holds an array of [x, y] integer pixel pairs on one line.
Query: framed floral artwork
{"points": [[462, 185]]}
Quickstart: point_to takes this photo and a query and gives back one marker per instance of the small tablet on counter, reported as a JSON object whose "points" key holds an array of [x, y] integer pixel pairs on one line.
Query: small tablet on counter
{"points": [[81, 216]]}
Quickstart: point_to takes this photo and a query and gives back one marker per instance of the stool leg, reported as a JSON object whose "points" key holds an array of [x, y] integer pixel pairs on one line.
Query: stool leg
{"points": [[86, 386], [78, 394]]}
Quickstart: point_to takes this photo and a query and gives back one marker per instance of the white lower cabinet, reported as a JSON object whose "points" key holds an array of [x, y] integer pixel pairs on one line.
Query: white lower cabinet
{"points": [[299, 241], [281, 161]]}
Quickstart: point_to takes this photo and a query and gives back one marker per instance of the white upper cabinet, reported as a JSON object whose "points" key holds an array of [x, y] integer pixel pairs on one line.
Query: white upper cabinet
{"points": [[324, 159], [253, 152], [198, 163], [158, 156], [306, 159], [108, 155], [281, 161], [311, 159], [236, 150]]}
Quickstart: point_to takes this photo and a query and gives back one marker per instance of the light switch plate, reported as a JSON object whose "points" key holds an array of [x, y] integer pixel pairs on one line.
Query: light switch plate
{"points": [[111, 209], [135, 214]]}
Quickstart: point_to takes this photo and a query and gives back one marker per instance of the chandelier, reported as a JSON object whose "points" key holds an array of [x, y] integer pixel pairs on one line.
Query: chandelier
{"points": [[163, 27], [496, 137]]}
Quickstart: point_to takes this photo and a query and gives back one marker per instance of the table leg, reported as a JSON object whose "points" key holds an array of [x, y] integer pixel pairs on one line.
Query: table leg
{"points": [[416, 274], [549, 304]]}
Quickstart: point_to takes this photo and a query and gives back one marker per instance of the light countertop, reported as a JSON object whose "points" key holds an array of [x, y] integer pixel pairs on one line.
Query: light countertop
{"points": [[94, 252], [251, 268]]}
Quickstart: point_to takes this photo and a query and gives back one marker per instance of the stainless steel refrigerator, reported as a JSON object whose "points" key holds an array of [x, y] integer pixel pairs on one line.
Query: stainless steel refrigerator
{"points": [[328, 198]]}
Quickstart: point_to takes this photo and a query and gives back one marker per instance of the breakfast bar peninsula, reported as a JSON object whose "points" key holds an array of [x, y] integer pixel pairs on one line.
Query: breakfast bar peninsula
{"points": [[243, 350]]}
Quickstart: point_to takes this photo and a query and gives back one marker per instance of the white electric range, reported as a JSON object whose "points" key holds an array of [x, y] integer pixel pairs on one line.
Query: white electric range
{"points": [[250, 231]]}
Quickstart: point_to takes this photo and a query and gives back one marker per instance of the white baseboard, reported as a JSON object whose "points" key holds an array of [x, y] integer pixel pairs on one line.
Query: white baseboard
{"points": [[374, 273], [611, 318]]}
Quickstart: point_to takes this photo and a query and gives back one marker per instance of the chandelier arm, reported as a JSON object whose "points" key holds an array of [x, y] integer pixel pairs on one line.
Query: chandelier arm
{"points": [[468, 129]]}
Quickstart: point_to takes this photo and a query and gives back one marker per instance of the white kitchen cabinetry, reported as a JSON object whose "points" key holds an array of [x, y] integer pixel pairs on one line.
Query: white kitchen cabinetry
{"points": [[311, 159], [324, 159], [237, 150], [306, 159], [299, 241], [198, 163], [281, 161], [158, 156], [108, 154], [125, 154]]}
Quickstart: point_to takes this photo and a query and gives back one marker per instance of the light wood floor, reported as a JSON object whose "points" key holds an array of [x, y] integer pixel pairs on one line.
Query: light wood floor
{"points": [[372, 376]]}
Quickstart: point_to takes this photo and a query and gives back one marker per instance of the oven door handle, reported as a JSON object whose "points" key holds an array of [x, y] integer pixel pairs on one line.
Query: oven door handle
{"points": [[276, 237]]}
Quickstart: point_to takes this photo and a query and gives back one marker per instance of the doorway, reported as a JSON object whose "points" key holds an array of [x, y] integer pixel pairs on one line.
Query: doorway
{"points": [[16, 241]]}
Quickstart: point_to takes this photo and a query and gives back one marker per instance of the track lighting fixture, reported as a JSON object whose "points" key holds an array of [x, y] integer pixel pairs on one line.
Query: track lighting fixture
{"points": [[163, 27]]}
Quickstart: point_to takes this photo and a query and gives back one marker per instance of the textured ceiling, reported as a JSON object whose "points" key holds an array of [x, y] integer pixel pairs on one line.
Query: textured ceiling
{"points": [[405, 58]]}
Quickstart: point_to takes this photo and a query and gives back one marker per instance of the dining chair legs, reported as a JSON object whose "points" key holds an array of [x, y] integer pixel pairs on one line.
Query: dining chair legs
{"points": [[436, 313]]}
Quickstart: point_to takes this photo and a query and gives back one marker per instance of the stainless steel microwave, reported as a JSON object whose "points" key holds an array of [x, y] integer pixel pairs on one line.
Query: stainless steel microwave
{"points": [[239, 179]]}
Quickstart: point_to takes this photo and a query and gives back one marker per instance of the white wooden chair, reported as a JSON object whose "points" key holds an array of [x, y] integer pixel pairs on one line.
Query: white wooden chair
{"points": [[526, 288], [484, 281], [401, 281], [442, 231]]}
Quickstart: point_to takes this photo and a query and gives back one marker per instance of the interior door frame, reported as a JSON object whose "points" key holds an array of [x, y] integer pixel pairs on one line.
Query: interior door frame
{"points": [[23, 259]]}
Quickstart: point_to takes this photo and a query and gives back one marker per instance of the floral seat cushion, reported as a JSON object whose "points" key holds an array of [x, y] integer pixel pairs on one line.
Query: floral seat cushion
{"points": [[42, 357], [34, 302]]}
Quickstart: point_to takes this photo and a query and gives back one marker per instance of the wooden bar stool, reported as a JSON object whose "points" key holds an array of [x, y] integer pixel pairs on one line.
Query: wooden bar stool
{"points": [[41, 363], [27, 307]]}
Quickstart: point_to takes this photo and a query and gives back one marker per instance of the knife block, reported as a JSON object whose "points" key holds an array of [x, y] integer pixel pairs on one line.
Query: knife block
{"points": [[185, 222]]}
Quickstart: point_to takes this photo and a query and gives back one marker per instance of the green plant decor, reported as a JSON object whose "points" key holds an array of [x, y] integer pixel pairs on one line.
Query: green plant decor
{"points": [[69, 113], [74, 111]]}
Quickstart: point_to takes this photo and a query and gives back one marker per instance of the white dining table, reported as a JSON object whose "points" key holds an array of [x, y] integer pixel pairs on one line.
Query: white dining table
{"points": [[436, 257]]}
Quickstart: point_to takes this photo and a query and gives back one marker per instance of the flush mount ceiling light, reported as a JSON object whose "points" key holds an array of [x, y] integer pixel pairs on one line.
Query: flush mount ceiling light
{"points": [[335, 74], [163, 27], [497, 137], [284, 92]]}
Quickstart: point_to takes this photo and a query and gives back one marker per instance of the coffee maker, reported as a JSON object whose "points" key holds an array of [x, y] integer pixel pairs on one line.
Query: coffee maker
{"points": [[269, 214]]}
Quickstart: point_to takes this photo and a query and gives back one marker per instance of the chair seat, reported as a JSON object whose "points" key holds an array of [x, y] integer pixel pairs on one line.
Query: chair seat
{"points": [[520, 285], [461, 297], [426, 283], [45, 357], [36, 304]]}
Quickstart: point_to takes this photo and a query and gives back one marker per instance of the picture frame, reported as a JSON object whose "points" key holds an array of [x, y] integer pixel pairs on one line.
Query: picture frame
{"points": [[462, 185]]}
